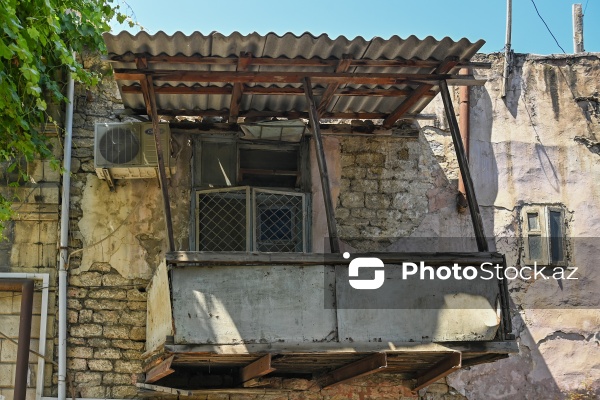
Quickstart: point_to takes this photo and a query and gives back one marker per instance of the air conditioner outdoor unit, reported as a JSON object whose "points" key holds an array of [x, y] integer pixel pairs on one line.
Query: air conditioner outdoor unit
{"points": [[128, 151]]}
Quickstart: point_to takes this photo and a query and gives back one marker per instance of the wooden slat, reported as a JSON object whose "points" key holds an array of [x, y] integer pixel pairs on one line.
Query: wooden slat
{"points": [[249, 259], [463, 164], [366, 366], [417, 95], [292, 62], [160, 371], [256, 90], [439, 370], [258, 368], [342, 66], [281, 77]]}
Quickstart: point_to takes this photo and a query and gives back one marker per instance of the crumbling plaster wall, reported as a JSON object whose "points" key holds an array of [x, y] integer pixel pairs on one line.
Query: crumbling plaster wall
{"points": [[537, 147]]}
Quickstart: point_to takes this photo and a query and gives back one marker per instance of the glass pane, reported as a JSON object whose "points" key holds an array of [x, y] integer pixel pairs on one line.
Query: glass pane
{"points": [[556, 236], [218, 163], [532, 220], [535, 247]]}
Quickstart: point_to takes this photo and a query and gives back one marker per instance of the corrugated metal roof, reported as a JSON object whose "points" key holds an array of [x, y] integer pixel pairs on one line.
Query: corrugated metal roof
{"points": [[290, 46]]}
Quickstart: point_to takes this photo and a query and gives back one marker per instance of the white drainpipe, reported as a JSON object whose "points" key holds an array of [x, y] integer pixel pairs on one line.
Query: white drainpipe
{"points": [[63, 246]]}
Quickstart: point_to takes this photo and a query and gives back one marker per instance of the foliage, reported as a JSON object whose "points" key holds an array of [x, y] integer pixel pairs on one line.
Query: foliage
{"points": [[38, 38]]}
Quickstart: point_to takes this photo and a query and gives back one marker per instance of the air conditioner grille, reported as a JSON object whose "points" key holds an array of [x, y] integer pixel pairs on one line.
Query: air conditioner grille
{"points": [[119, 145]]}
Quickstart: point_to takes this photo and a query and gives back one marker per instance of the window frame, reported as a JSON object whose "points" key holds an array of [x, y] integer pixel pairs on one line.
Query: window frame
{"points": [[251, 223], [544, 232]]}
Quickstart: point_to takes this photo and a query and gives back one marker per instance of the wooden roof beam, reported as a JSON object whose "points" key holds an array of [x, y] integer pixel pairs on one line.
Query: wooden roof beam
{"points": [[254, 90], [269, 114], [367, 366], [295, 62], [417, 95], [438, 371], [292, 77], [327, 96]]}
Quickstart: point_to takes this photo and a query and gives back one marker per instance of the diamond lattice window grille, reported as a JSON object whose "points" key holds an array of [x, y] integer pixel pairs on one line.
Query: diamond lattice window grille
{"points": [[251, 219]]}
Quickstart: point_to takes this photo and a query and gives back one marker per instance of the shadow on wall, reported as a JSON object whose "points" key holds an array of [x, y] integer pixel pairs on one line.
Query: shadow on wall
{"points": [[522, 376]]}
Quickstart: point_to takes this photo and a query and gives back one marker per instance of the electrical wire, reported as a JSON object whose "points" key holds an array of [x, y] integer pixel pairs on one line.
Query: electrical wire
{"points": [[547, 27], [585, 8]]}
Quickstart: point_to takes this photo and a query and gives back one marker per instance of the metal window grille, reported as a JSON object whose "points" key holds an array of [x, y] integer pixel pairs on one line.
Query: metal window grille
{"points": [[222, 219], [279, 221], [249, 219]]}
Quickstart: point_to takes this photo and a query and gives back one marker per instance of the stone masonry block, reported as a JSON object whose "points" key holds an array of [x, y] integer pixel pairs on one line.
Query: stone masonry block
{"points": [[86, 330], [109, 353], [100, 365], [86, 279], [80, 352], [130, 367], [352, 200]]}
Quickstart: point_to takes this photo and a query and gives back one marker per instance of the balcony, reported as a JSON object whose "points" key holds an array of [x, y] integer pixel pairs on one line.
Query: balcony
{"points": [[295, 315]]}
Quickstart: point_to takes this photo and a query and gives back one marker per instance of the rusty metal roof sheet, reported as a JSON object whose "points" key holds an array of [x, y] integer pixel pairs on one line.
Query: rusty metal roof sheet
{"points": [[167, 51]]}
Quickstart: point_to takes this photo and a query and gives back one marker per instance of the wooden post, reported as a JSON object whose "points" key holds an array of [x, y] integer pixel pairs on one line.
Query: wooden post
{"points": [[463, 164], [577, 29], [314, 123]]}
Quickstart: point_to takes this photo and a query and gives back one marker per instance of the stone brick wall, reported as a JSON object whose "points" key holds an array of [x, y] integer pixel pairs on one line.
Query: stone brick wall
{"points": [[382, 192], [106, 332], [106, 311]]}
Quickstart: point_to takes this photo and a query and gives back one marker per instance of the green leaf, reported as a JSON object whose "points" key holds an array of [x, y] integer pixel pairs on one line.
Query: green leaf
{"points": [[33, 33]]}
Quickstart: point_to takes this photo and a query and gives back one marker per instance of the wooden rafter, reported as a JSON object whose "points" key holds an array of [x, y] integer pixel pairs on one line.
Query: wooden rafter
{"points": [[293, 62], [293, 77], [327, 96], [256, 90], [439, 370], [160, 371], [417, 95], [368, 365], [256, 369]]}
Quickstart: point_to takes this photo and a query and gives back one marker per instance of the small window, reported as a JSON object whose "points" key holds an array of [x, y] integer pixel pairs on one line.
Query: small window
{"points": [[544, 235], [251, 219], [228, 162]]}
